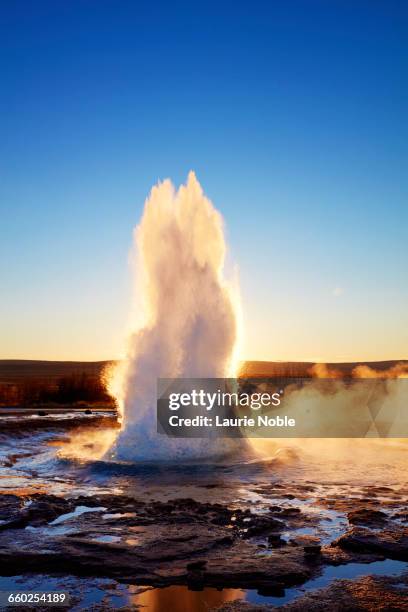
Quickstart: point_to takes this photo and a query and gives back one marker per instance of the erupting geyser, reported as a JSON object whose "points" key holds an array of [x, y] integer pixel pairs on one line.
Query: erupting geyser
{"points": [[190, 325]]}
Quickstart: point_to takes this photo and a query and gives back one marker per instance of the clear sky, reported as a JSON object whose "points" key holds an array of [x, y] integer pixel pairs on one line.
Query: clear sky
{"points": [[293, 114]]}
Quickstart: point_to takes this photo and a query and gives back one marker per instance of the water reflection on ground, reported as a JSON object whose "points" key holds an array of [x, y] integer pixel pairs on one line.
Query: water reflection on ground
{"points": [[310, 477]]}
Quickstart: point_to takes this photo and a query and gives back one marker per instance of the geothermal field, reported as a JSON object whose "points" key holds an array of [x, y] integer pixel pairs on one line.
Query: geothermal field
{"points": [[95, 503], [300, 525]]}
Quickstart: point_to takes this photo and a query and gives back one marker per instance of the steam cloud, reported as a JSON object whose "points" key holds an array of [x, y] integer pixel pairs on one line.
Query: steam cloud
{"points": [[190, 326]]}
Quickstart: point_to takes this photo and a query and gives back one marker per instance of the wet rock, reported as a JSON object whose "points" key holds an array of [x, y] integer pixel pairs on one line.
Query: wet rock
{"points": [[367, 516], [304, 540], [160, 543], [38, 510], [401, 516], [177, 541], [196, 565], [11, 507], [240, 567], [379, 489], [47, 508], [276, 541], [343, 503], [367, 594], [242, 606], [311, 550], [289, 512], [159, 559], [262, 524], [391, 543], [334, 555]]}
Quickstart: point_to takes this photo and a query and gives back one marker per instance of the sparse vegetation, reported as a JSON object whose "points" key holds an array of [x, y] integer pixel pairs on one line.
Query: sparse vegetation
{"points": [[74, 388]]}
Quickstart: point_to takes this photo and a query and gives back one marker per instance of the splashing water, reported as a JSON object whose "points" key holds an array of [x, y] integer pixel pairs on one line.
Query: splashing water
{"points": [[190, 325]]}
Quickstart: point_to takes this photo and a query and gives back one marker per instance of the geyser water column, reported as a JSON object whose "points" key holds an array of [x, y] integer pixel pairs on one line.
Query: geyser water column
{"points": [[190, 319]]}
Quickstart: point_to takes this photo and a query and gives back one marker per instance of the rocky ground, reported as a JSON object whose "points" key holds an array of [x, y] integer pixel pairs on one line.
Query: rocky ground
{"points": [[204, 544], [361, 595], [239, 538]]}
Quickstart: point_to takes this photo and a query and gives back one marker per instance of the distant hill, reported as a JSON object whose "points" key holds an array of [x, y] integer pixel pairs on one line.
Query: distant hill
{"points": [[17, 371]]}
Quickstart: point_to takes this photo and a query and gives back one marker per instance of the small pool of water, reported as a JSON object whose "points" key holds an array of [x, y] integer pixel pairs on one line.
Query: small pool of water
{"points": [[87, 592]]}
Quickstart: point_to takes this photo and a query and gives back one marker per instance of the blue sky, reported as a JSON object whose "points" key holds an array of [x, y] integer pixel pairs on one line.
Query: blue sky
{"points": [[293, 115]]}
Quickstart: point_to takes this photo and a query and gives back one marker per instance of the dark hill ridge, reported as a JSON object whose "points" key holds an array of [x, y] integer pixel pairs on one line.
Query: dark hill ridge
{"points": [[19, 370]]}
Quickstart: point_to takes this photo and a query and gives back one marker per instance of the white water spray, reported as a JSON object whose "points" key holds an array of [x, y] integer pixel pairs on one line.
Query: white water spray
{"points": [[190, 326]]}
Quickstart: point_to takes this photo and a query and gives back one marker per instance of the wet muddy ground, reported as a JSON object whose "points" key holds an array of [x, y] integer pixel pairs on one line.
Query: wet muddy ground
{"points": [[303, 530]]}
